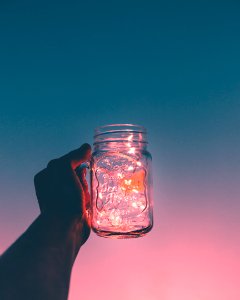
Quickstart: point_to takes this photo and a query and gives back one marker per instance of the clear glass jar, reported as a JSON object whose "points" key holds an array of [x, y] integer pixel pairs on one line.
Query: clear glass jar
{"points": [[121, 182]]}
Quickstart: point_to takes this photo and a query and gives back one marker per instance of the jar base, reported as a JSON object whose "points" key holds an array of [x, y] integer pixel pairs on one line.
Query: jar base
{"points": [[123, 235]]}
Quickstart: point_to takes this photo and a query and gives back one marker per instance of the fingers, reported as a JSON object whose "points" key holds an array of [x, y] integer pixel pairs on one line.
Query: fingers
{"points": [[58, 188], [81, 173], [73, 158], [78, 156], [43, 192]]}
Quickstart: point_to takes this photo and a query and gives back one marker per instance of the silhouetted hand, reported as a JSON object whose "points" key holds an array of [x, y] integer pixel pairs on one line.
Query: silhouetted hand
{"points": [[62, 189]]}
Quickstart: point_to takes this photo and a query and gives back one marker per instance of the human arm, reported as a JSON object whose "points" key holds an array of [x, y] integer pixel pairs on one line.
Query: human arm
{"points": [[38, 265]]}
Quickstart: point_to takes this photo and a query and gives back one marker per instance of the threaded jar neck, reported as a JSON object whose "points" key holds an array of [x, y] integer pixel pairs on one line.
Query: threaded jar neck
{"points": [[120, 136]]}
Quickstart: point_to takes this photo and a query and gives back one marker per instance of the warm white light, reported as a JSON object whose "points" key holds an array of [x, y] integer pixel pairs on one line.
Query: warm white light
{"points": [[139, 163], [131, 150], [130, 137], [130, 168], [128, 182]]}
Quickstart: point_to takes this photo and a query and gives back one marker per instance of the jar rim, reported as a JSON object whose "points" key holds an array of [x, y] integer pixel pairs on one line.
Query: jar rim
{"points": [[114, 128]]}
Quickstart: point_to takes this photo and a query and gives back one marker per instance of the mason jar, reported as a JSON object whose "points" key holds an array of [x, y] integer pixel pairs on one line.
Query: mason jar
{"points": [[121, 182]]}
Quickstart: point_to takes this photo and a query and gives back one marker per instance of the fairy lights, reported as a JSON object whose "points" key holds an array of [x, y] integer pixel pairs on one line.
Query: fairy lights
{"points": [[132, 150], [120, 185], [121, 192]]}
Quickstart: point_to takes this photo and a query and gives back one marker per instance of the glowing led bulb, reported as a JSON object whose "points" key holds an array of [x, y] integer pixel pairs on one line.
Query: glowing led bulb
{"points": [[130, 138], [130, 168], [134, 204], [127, 182], [131, 150]]}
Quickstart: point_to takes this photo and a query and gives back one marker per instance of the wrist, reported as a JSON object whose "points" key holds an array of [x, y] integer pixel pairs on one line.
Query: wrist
{"points": [[71, 229]]}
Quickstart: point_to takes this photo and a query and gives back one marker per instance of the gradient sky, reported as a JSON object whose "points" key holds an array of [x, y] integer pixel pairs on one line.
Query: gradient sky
{"points": [[173, 67]]}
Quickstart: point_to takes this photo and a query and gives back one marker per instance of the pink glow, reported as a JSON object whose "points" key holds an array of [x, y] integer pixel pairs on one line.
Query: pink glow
{"points": [[190, 261], [192, 253]]}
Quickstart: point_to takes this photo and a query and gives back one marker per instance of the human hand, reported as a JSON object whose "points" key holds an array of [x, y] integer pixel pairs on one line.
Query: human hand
{"points": [[62, 189]]}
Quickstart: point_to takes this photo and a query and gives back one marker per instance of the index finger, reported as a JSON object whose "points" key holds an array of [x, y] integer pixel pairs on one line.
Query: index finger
{"points": [[78, 156]]}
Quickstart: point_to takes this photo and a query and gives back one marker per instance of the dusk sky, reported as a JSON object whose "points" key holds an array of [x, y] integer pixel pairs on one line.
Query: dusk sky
{"points": [[67, 67]]}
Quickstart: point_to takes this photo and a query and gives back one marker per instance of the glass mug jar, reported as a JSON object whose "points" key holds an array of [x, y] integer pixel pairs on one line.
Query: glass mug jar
{"points": [[121, 182]]}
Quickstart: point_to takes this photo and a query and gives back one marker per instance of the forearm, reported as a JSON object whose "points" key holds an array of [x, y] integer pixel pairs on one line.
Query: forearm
{"points": [[38, 265]]}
